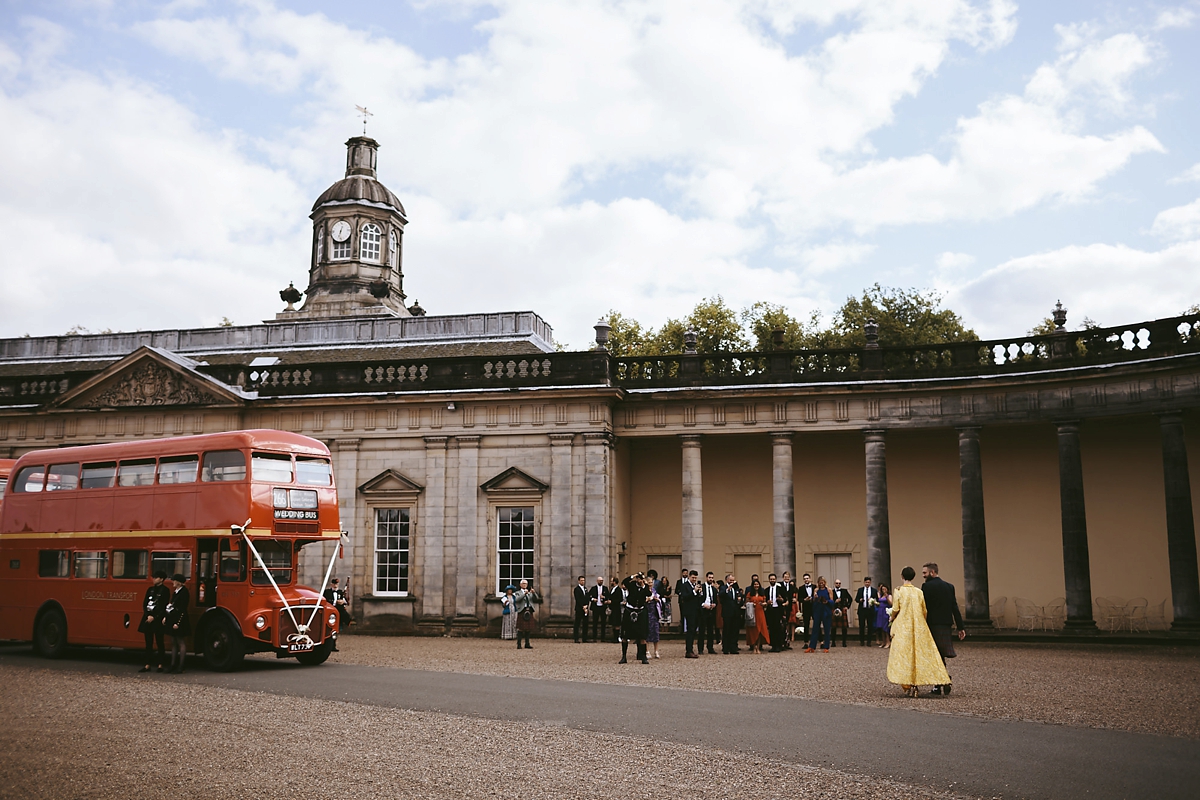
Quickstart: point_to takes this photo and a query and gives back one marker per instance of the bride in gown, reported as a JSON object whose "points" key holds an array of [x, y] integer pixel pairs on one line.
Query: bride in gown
{"points": [[913, 659]]}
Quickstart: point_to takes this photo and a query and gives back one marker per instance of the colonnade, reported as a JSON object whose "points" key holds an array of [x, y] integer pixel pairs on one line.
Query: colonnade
{"points": [[1181, 535]]}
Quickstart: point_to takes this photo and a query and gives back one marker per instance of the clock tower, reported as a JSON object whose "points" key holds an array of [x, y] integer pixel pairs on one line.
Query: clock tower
{"points": [[357, 244]]}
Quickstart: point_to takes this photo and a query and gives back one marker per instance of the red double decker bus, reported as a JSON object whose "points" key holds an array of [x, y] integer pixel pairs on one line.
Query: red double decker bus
{"points": [[82, 529]]}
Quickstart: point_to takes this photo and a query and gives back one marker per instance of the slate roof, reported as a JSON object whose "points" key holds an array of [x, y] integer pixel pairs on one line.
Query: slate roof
{"points": [[359, 187]]}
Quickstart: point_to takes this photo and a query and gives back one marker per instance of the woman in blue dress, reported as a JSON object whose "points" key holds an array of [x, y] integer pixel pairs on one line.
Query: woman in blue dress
{"points": [[654, 615], [822, 616], [883, 619]]}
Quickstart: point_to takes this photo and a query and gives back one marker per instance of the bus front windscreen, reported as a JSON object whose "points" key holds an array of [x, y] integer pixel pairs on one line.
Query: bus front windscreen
{"points": [[277, 555]]}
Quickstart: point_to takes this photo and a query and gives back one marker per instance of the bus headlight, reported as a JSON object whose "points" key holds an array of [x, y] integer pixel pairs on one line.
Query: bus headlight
{"points": [[260, 622], [332, 620]]}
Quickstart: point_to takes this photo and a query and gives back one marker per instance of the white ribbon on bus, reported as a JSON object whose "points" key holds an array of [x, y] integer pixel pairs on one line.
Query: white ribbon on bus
{"points": [[301, 634]]}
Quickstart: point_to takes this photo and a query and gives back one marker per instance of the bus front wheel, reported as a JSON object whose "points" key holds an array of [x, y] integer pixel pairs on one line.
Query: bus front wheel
{"points": [[222, 646], [319, 655], [50, 634]]}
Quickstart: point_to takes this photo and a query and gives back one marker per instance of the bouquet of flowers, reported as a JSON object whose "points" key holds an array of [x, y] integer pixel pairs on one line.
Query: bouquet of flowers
{"points": [[872, 602]]}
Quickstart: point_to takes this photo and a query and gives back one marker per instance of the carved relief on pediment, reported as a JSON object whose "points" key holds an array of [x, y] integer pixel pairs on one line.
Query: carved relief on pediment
{"points": [[150, 384]]}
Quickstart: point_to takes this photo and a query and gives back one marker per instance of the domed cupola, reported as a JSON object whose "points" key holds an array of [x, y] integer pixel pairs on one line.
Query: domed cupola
{"points": [[357, 245]]}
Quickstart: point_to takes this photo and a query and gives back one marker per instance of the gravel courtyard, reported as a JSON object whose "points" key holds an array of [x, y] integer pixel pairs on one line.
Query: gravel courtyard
{"points": [[1151, 690]]}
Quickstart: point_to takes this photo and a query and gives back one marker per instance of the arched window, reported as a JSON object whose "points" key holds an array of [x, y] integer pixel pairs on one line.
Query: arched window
{"points": [[368, 249], [393, 250], [320, 244]]}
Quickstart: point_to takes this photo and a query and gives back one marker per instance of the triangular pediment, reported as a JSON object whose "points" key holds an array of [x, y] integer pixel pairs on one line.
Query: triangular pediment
{"points": [[514, 480], [151, 377], [390, 482]]}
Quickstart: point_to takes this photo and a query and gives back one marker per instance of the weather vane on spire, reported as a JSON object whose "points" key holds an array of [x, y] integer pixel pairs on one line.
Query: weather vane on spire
{"points": [[362, 112]]}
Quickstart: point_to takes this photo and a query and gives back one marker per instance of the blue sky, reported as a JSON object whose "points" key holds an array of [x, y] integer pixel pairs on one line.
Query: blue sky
{"points": [[158, 160]]}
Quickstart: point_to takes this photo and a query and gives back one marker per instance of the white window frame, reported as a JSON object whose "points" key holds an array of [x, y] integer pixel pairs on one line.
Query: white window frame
{"points": [[370, 239], [405, 561], [320, 244], [529, 569], [393, 250], [340, 251]]}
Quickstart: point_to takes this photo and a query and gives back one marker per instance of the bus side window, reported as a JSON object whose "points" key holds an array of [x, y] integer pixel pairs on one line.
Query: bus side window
{"points": [[130, 564], [178, 469], [136, 473], [29, 479], [54, 563], [91, 564], [98, 476], [63, 476], [233, 562], [224, 465], [173, 562]]}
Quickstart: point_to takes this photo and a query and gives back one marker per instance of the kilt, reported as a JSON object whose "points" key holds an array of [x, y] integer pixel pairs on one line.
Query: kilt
{"points": [[943, 637], [525, 623], [638, 628]]}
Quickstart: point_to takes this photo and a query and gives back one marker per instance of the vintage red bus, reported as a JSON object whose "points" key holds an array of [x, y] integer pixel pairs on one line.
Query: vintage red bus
{"points": [[6, 465], [82, 529]]}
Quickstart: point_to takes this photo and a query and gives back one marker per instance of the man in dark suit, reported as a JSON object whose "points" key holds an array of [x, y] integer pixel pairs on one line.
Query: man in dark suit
{"points": [[177, 623], [774, 607], [866, 611], [789, 594], [598, 600], [942, 615], [732, 613], [842, 600], [806, 592], [690, 597], [581, 609], [710, 598]]}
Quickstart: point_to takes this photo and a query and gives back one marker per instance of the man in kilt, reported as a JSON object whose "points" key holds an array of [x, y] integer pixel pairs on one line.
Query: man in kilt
{"points": [[635, 623]]}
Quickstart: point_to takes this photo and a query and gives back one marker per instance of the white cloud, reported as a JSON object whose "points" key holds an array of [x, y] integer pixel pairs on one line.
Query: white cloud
{"points": [[951, 261], [1018, 294], [1192, 173], [1181, 222], [1175, 18], [835, 256]]}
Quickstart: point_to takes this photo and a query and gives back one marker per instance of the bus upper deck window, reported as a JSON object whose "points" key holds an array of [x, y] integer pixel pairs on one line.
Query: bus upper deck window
{"points": [[29, 479], [224, 465], [136, 473], [272, 467], [98, 476], [313, 472], [62, 476], [178, 469]]}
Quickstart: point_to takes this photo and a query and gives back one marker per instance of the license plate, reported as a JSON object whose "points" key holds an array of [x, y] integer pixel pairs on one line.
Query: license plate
{"points": [[299, 647]]}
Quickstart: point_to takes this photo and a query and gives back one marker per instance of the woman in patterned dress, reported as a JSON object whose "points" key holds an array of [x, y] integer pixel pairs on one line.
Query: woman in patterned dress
{"points": [[914, 659], [508, 618], [654, 617]]}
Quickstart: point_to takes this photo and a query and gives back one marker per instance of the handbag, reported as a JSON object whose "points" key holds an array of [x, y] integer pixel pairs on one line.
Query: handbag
{"points": [[507, 609], [527, 614], [750, 614]]}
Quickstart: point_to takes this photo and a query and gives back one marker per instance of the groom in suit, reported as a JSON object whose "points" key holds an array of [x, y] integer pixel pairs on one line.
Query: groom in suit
{"points": [[690, 597], [581, 608], [866, 611], [941, 612]]}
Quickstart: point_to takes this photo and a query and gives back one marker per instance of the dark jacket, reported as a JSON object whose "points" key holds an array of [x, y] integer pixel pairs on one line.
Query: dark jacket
{"points": [[689, 601], [863, 595], [732, 604], [581, 597], [941, 607], [154, 604], [605, 595], [177, 613]]}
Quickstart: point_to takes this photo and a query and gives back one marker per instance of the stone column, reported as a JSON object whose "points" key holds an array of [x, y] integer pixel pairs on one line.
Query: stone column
{"points": [[975, 566], [783, 503], [879, 542], [1076, 564], [562, 570], [693, 504], [431, 528], [596, 524], [360, 549], [1181, 525], [467, 595]]}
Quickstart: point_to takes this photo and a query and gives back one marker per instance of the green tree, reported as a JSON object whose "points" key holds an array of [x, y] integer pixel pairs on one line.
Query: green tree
{"points": [[762, 319], [627, 337], [906, 317], [717, 328]]}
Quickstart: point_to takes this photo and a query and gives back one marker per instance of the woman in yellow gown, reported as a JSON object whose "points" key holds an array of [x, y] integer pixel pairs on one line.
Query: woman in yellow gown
{"points": [[913, 659]]}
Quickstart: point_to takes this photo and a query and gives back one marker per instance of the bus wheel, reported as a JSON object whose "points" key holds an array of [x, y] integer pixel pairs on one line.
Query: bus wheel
{"points": [[222, 646], [319, 655], [50, 634]]}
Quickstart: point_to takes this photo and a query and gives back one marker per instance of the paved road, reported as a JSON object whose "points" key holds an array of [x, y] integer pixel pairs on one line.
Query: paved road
{"points": [[970, 755]]}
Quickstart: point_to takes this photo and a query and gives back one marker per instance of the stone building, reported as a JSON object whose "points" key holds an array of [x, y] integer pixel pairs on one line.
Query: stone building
{"points": [[469, 453]]}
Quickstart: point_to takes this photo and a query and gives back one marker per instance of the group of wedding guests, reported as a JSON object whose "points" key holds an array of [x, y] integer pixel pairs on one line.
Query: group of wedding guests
{"points": [[916, 625]]}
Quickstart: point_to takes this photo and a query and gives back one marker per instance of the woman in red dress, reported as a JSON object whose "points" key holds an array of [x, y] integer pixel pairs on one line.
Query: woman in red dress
{"points": [[756, 630]]}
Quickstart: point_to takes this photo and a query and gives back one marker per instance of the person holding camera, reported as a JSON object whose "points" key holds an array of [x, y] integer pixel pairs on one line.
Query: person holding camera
{"points": [[635, 621], [523, 604]]}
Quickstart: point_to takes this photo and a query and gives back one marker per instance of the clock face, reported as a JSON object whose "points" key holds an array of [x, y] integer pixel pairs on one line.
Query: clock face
{"points": [[340, 231]]}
